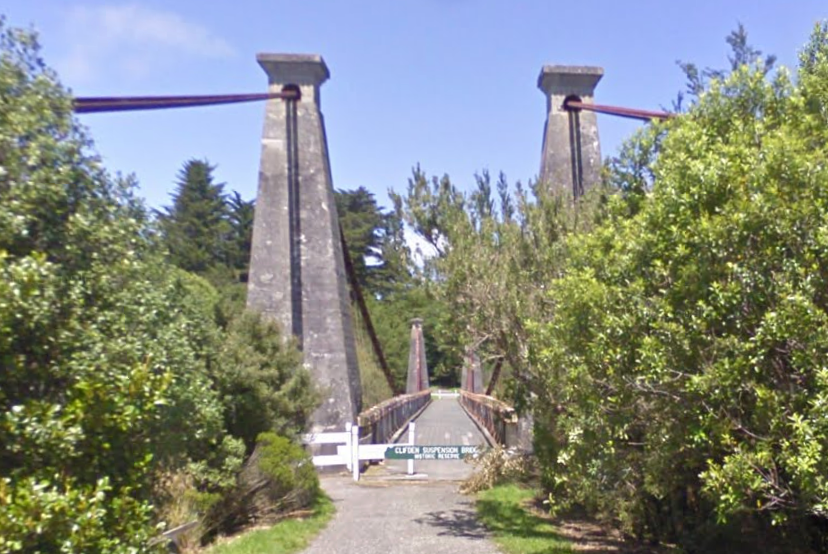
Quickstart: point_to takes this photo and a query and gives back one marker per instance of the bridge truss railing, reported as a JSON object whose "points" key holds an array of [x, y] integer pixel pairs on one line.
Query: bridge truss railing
{"points": [[498, 418], [381, 422]]}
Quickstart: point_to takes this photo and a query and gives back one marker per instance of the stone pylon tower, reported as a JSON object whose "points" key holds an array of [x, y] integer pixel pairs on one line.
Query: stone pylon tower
{"points": [[417, 367], [571, 157], [471, 379], [297, 274]]}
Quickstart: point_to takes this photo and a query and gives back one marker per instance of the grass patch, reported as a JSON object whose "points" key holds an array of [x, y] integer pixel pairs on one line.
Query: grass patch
{"points": [[285, 537], [514, 528]]}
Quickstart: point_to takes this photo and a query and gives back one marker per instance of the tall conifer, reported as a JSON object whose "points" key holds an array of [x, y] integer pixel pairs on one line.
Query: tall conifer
{"points": [[196, 227]]}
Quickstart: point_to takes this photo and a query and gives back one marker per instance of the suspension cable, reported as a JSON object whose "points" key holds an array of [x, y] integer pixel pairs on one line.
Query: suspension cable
{"points": [[130, 103], [632, 113], [356, 289], [98, 104]]}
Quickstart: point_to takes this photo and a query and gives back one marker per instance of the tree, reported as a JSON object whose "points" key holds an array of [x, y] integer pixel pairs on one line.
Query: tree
{"points": [[110, 358], [495, 252], [680, 371], [80, 329], [361, 221], [630, 171], [742, 53], [375, 243], [241, 213], [262, 381], [196, 227]]}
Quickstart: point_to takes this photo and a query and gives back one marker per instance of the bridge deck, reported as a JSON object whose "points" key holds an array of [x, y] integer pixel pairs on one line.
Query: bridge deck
{"points": [[443, 422]]}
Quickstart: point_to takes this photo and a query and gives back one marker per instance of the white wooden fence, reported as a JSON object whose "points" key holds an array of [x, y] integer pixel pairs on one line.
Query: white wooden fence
{"points": [[349, 452]]}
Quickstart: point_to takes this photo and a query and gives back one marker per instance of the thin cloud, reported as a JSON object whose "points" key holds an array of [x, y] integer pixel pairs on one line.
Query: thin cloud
{"points": [[132, 40]]}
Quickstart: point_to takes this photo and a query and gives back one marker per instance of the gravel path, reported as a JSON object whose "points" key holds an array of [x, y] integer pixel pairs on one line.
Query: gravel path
{"points": [[400, 518]]}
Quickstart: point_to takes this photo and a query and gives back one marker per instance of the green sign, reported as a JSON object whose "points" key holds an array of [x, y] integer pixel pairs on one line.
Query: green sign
{"points": [[425, 452]]}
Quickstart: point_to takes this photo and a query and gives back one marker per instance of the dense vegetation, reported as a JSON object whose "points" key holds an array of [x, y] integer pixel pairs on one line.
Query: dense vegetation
{"points": [[670, 330], [131, 393], [685, 350], [666, 330], [396, 288]]}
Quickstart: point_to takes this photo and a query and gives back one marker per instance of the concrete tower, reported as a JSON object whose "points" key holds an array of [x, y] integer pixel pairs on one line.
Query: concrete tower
{"points": [[297, 272], [417, 367], [471, 378], [571, 157]]}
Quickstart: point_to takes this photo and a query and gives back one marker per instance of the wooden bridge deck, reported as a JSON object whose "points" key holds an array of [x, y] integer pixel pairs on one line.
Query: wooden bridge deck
{"points": [[443, 422]]}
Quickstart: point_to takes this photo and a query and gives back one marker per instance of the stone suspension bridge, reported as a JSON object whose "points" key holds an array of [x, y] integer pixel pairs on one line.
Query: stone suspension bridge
{"points": [[299, 262], [298, 276]]}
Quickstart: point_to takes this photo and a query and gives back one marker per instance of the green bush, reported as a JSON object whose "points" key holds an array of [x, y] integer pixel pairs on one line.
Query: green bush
{"points": [[67, 517], [82, 341], [278, 477], [114, 367], [682, 373], [287, 467], [262, 382]]}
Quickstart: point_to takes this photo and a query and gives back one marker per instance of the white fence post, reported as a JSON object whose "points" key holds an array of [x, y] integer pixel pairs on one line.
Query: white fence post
{"points": [[355, 451], [349, 444], [411, 438]]}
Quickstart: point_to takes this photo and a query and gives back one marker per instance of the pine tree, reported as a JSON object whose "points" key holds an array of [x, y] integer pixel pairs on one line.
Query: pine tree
{"points": [[196, 227], [374, 240], [241, 235]]}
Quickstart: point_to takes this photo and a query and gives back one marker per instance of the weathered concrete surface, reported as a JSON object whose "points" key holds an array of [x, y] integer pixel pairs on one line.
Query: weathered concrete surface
{"points": [[400, 519], [417, 366], [571, 155], [471, 378], [443, 422], [297, 273]]}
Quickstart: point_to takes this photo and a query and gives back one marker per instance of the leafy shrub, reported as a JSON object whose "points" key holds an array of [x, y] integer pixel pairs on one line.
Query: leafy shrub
{"points": [[287, 467], [68, 517], [279, 477], [80, 330], [497, 466], [262, 382], [685, 352], [110, 359]]}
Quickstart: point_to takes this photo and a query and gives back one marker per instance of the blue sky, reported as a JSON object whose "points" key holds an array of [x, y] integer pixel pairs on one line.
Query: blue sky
{"points": [[449, 84]]}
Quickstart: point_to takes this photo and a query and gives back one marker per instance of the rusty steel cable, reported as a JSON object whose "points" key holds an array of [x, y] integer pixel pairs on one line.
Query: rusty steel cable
{"points": [[632, 113], [132, 103], [359, 299]]}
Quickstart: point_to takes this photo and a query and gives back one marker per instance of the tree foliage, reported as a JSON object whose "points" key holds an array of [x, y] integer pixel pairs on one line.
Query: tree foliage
{"points": [[375, 242], [83, 373], [196, 227], [263, 385], [668, 331], [113, 362], [496, 247], [742, 53], [682, 362], [241, 232]]}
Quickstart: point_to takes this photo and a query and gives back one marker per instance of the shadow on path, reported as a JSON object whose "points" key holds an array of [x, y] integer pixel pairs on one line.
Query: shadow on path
{"points": [[459, 522]]}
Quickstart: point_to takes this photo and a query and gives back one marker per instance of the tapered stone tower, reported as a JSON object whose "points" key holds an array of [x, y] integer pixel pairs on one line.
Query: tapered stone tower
{"points": [[297, 272], [471, 378], [571, 157], [417, 367]]}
